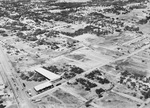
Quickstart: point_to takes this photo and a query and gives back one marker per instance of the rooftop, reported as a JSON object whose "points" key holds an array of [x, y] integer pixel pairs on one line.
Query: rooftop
{"points": [[43, 85], [51, 76]]}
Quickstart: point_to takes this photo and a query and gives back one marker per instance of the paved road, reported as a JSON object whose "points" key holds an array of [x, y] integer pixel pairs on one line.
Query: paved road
{"points": [[13, 81]]}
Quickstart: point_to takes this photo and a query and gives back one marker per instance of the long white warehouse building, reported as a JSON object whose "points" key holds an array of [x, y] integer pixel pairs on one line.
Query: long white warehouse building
{"points": [[43, 86], [50, 75]]}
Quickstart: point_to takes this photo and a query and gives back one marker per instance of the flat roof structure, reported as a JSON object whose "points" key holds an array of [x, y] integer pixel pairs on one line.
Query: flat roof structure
{"points": [[43, 86], [50, 75]]}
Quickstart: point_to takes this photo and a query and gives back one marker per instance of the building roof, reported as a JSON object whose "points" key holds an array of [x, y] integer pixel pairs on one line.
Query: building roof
{"points": [[42, 86], [51, 76]]}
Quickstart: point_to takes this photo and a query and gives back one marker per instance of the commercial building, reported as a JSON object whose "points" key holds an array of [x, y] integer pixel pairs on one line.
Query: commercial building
{"points": [[49, 75], [52, 77], [43, 86]]}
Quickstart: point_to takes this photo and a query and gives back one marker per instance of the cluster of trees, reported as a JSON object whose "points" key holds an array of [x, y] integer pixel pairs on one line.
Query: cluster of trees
{"points": [[69, 5], [72, 72], [117, 9], [3, 33], [95, 75], [87, 29], [128, 28], [52, 33], [95, 27], [114, 2], [3, 13], [69, 71], [86, 84], [99, 92], [26, 37], [99, 15], [39, 31], [69, 75], [144, 21], [146, 94], [53, 69], [53, 45], [32, 76], [144, 89], [76, 70]]}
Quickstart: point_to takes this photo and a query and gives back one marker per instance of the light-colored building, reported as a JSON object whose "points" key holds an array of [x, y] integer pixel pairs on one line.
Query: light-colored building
{"points": [[43, 86], [49, 75]]}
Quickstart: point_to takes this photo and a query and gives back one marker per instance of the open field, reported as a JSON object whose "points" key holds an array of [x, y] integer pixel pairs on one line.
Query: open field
{"points": [[112, 100]]}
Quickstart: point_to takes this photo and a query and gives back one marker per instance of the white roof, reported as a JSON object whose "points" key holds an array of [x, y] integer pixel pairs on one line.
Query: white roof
{"points": [[42, 86], [51, 76]]}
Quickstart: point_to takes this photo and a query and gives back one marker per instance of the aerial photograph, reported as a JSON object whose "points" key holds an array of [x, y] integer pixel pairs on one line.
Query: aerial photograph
{"points": [[74, 53]]}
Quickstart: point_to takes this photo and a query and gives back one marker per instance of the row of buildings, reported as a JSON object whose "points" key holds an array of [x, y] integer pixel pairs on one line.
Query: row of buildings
{"points": [[52, 77]]}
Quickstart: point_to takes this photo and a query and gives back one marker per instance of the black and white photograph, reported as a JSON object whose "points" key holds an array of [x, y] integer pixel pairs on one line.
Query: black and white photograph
{"points": [[74, 53]]}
